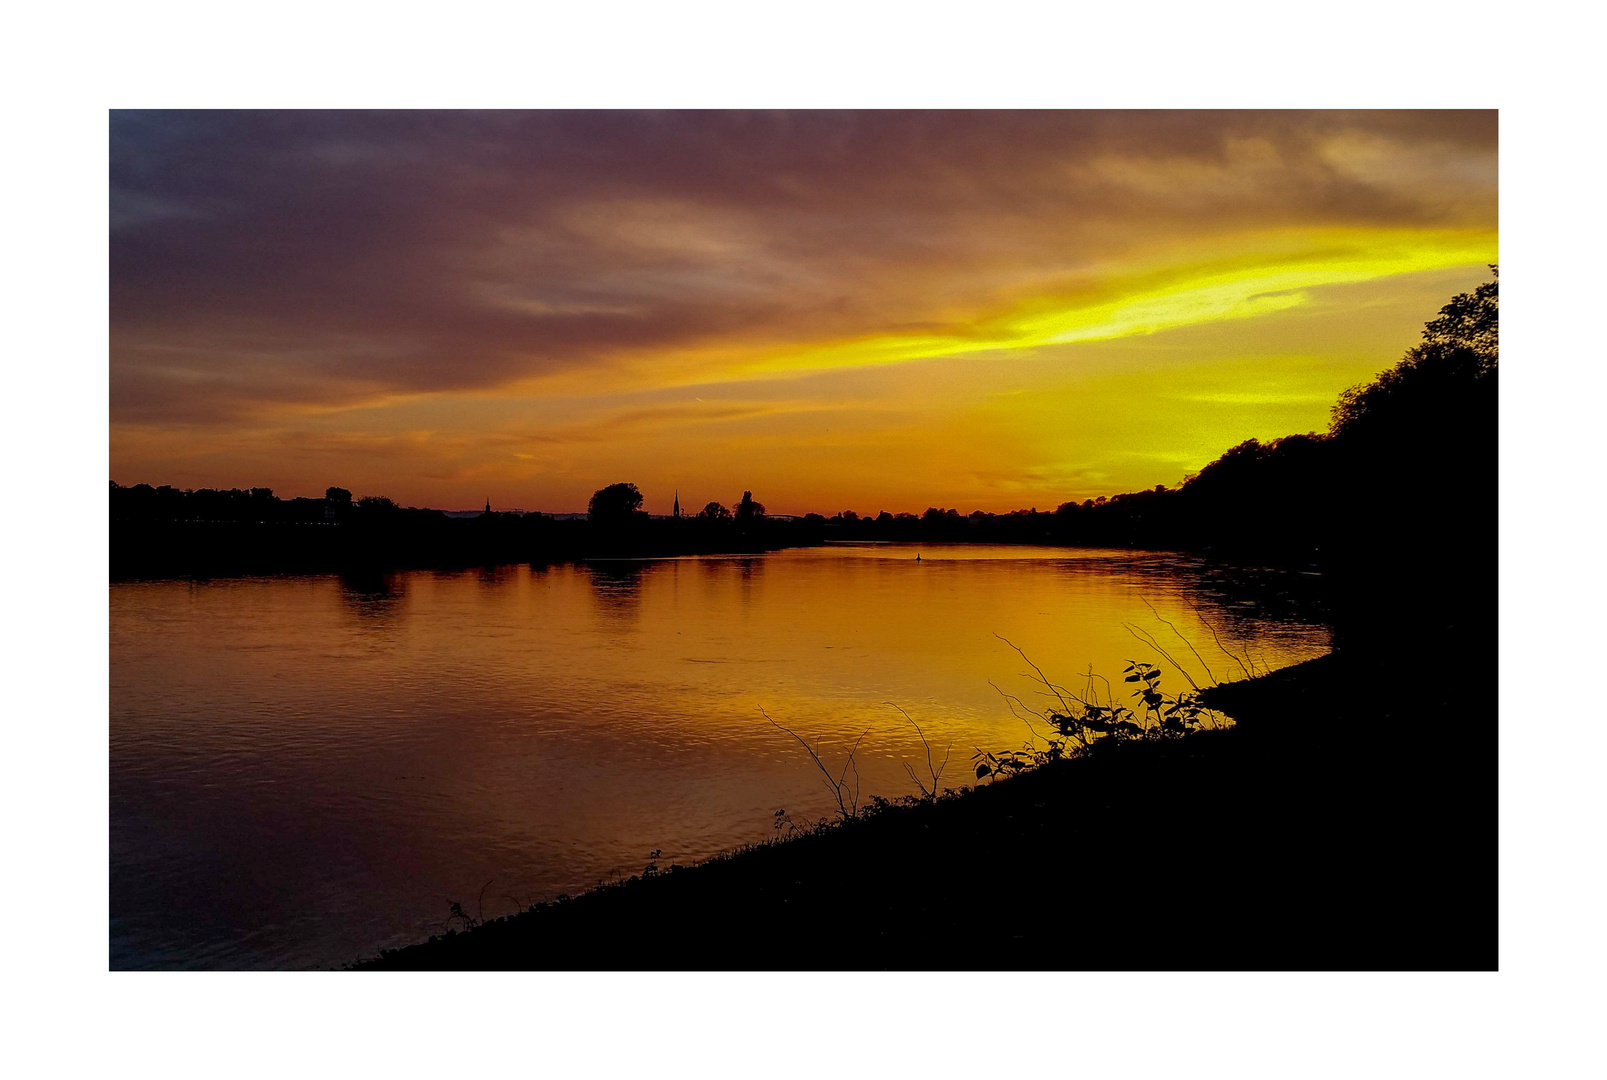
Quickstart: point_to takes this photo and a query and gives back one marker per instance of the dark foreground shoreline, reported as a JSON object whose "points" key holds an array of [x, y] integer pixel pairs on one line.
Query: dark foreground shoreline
{"points": [[1348, 822]]}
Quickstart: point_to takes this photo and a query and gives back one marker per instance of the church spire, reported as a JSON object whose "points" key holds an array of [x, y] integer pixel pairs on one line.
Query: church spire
{"points": [[677, 511]]}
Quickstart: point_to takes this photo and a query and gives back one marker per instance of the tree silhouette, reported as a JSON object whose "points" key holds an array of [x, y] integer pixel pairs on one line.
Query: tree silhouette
{"points": [[747, 510], [376, 504], [1471, 320], [616, 502], [715, 512], [1456, 362]]}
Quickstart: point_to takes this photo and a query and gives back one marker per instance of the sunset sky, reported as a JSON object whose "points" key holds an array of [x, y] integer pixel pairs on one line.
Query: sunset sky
{"points": [[864, 311]]}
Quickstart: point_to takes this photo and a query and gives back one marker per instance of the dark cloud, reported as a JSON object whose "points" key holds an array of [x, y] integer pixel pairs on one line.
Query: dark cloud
{"points": [[283, 258]]}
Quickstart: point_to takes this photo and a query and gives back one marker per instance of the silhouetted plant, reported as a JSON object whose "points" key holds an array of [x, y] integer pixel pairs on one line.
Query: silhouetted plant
{"points": [[845, 793], [469, 922], [1083, 721], [782, 822], [928, 793], [463, 918]]}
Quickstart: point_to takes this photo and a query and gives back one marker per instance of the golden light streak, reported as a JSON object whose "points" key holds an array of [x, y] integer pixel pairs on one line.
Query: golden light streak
{"points": [[1252, 284]]}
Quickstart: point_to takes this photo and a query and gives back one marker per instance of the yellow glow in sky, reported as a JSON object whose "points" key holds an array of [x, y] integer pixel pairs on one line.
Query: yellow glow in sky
{"points": [[1245, 287], [835, 310]]}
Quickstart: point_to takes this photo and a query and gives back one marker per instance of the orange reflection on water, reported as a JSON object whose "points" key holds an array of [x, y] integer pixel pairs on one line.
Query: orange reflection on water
{"points": [[326, 760]]}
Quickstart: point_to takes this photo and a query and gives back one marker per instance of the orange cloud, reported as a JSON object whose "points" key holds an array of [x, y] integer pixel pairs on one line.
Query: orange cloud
{"points": [[883, 310]]}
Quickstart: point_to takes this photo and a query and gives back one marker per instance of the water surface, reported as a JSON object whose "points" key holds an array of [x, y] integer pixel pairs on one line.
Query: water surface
{"points": [[304, 770]]}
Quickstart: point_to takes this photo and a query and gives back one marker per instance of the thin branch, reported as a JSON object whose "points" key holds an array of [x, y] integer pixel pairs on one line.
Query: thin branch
{"points": [[1041, 676], [1208, 672], [1147, 638], [937, 774], [1022, 714], [847, 798], [1110, 691], [1218, 637]]}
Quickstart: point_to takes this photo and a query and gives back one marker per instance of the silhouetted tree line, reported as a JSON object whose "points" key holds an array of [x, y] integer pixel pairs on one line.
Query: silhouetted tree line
{"points": [[258, 505], [167, 531]]}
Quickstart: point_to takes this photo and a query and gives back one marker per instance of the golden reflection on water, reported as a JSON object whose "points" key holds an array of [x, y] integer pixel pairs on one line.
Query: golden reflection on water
{"points": [[303, 769]]}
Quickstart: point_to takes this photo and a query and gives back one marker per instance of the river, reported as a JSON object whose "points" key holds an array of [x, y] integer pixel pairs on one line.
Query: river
{"points": [[307, 769]]}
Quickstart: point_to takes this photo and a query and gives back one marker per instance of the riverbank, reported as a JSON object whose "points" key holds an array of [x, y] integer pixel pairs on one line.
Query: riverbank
{"points": [[1346, 822]]}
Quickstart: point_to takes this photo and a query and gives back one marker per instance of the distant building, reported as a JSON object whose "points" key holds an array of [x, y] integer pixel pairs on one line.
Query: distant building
{"points": [[675, 513], [337, 501]]}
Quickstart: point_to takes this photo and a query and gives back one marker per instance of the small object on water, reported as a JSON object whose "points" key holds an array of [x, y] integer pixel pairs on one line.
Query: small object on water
{"points": [[917, 558]]}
